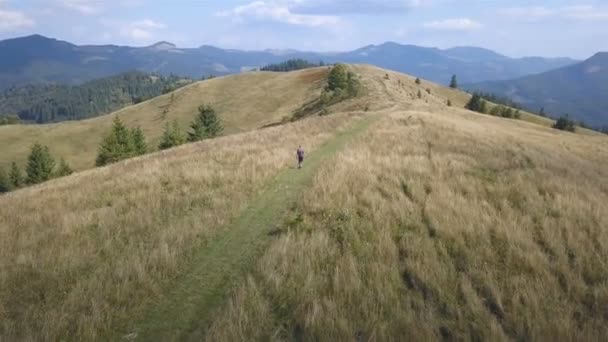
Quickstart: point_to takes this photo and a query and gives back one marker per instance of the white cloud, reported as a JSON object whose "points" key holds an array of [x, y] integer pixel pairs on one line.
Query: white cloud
{"points": [[353, 6], [531, 13], [262, 10], [585, 12], [14, 20], [141, 31], [86, 7], [457, 24]]}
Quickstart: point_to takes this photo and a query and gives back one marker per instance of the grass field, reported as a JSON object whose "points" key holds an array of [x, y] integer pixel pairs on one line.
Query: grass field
{"points": [[432, 222], [243, 102]]}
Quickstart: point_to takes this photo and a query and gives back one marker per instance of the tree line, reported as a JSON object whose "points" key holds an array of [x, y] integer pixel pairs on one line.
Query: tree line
{"points": [[53, 103], [119, 144], [41, 166], [291, 65]]}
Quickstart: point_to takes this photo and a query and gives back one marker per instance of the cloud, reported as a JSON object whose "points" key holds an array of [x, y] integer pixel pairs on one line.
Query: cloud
{"points": [[14, 20], [92, 7], [585, 12], [458, 24], [531, 13], [536, 13], [338, 7], [262, 10], [141, 31]]}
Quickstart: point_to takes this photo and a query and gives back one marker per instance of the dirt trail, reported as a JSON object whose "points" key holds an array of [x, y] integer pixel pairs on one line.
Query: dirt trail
{"points": [[187, 308]]}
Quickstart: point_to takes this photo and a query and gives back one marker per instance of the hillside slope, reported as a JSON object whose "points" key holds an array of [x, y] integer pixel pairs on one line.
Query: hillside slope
{"points": [[431, 222], [243, 102], [579, 90]]}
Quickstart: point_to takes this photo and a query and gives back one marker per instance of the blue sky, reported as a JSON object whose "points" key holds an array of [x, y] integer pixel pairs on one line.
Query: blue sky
{"points": [[573, 28]]}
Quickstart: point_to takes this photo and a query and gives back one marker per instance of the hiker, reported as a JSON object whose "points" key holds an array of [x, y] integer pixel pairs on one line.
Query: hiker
{"points": [[300, 155]]}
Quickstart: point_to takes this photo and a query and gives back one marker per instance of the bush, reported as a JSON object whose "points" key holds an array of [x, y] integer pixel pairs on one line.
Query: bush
{"points": [[5, 185], [418, 80], [40, 165], [449, 103], [565, 124], [64, 169], [172, 136], [341, 85], [10, 120], [477, 104]]}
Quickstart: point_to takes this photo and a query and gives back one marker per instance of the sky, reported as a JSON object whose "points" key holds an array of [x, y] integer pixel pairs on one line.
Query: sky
{"points": [[564, 28]]}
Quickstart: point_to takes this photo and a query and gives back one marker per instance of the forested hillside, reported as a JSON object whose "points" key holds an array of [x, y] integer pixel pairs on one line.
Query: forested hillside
{"points": [[53, 103], [291, 65]]}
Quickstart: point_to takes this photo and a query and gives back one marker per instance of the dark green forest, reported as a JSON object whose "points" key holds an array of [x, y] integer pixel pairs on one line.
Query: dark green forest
{"points": [[291, 65], [54, 103]]}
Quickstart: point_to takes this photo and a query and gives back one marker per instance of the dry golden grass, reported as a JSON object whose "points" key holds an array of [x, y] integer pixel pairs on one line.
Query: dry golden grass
{"points": [[435, 223], [439, 224], [80, 255], [243, 102]]}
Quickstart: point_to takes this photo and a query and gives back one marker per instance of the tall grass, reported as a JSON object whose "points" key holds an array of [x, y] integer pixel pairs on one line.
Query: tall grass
{"points": [[439, 226], [79, 256]]}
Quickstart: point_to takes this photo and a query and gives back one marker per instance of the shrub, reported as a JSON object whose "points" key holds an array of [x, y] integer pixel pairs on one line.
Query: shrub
{"points": [[64, 169], [40, 165], [418, 80], [449, 103], [341, 85], [5, 185], [565, 124]]}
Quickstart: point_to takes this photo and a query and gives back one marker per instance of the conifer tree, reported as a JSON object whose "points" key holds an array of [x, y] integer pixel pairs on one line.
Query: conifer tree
{"points": [[15, 177], [40, 165], [338, 77], [5, 185], [172, 136], [64, 169], [453, 82], [206, 125], [418, 80], [475, 103], [542, 111], [139, 141], [118, 145]]}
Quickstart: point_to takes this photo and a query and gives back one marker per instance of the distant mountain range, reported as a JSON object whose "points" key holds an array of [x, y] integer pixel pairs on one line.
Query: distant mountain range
{"points": [[38, 59], [580, 90]]}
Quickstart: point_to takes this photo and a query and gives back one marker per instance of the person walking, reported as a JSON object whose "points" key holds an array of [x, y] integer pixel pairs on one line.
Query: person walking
{"points": [[300, 156]]}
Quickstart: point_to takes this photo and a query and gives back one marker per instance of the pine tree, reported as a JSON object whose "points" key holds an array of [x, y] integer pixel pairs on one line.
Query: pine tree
{"points": [[454, 82], [542, 111], [118, 145], [64, 169], [15, 177], [5, 185], [564, 123], [40, 165], [475, 103], [139, 141], [172, 136], [206, 125]]}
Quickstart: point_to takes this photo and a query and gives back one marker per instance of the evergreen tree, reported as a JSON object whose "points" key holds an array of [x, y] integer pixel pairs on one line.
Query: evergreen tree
{"points": [[118, 145], [474, 103], [172, 136], [139, 141], [338, 78], [40, 165], [206, 125], [64, 169], [542, 111], [419, 94], [565, 124], [454, 82], [5, 184], [15, 176], [418, 80]]}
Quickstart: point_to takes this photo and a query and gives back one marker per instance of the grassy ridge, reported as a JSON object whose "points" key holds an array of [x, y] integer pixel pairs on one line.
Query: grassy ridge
{"points": [[243, 102], [435, 226]]}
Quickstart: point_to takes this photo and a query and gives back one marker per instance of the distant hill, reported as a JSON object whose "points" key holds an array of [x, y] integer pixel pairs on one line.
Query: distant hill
{"points": [[579, 90], [37, 59], [52, 103]]}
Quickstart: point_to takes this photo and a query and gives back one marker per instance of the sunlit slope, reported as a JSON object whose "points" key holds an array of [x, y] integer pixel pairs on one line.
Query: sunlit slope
{"points": [[431, 222], [244, 102]]}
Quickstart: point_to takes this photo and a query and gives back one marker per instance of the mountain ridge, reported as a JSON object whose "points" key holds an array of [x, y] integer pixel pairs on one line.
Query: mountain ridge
{"points": [[39, 59]]}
